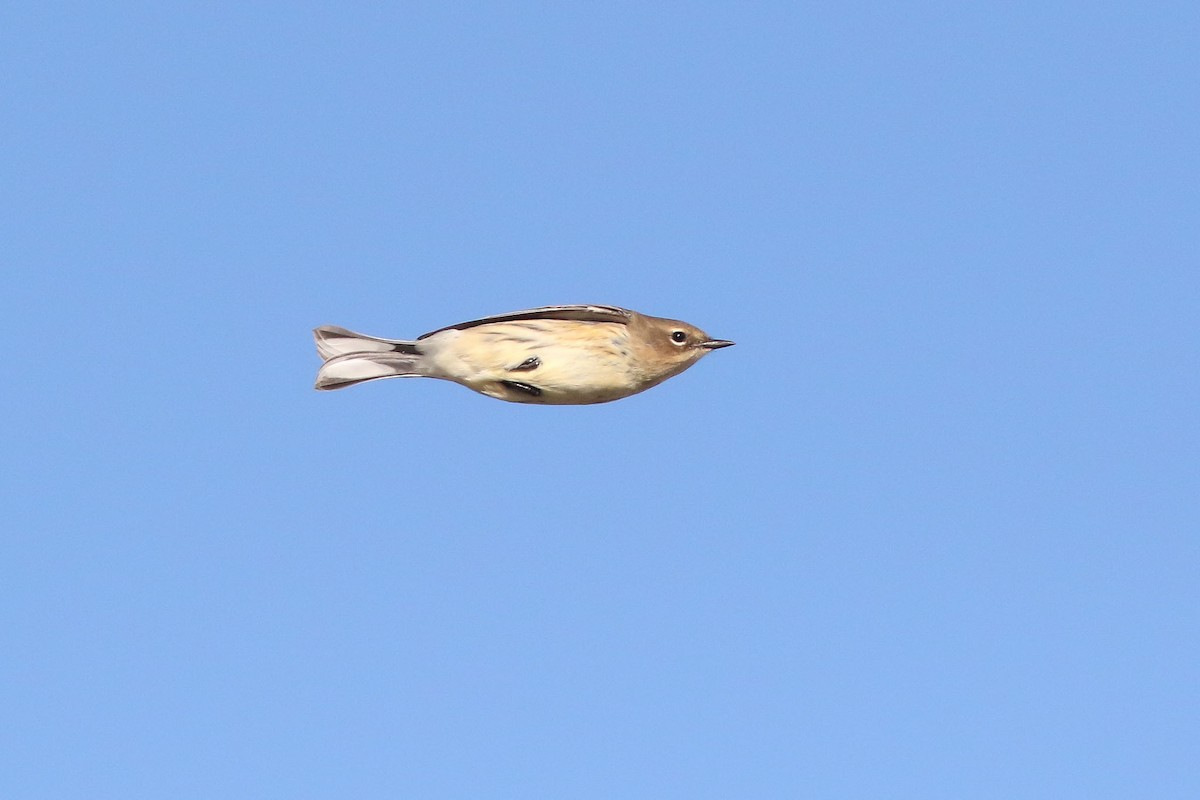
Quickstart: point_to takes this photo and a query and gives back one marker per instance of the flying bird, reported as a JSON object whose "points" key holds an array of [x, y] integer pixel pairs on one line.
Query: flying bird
{"points": [[554, 355]]}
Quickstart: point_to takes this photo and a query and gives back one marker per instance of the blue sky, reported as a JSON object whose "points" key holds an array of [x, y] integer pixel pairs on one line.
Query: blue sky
{"points": [[928, 531]]}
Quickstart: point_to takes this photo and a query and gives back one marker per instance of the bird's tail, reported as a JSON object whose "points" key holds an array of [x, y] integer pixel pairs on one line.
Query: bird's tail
{"points": [[352, 358]]}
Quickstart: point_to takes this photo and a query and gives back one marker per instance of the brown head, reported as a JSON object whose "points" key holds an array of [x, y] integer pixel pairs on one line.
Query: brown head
{"points": [[666, 347]]}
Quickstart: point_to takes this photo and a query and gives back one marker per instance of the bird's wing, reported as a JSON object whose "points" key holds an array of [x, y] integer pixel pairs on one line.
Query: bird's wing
{"points": [[578, 313]]}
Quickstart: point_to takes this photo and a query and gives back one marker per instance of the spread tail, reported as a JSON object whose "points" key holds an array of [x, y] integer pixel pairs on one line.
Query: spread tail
{"points": [[352, 358], [334, 341]]}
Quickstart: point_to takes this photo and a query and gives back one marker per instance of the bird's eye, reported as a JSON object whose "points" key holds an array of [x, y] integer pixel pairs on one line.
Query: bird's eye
{"points": [[678, 337]]}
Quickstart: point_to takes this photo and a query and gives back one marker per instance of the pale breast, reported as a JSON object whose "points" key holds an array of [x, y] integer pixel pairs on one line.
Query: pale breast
{"points": [[537, 361]]}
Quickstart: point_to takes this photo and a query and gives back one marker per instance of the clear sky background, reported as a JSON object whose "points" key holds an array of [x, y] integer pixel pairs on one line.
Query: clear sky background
{"points": [[929, 531]]}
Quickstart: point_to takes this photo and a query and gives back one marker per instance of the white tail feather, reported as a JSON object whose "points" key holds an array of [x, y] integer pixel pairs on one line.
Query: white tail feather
{"points": [[352, 358], [347, 370], [334, 341]]}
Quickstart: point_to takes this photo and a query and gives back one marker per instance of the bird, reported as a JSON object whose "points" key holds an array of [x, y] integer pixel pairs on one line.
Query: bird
{"points": [[552, 355]]}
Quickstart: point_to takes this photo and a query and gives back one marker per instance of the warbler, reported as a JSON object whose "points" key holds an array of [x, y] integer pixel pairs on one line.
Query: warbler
{"points": [[555, 355]]}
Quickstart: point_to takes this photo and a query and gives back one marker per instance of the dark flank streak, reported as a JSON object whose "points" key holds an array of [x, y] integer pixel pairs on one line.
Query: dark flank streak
{"points": [[528, 389], [528, 365]]}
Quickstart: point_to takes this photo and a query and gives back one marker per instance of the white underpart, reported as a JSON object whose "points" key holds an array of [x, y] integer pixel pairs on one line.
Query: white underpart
{"points": [[572, 368]]}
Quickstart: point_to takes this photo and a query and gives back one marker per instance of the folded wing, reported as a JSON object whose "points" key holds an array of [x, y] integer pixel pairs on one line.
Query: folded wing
{"points": [[578, 313]]}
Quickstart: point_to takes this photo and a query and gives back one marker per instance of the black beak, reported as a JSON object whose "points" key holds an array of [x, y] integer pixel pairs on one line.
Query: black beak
{"points": [[716, 344]]}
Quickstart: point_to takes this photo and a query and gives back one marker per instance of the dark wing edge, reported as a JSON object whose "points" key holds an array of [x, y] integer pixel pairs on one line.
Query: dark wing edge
{"points": [[578, 313]]}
